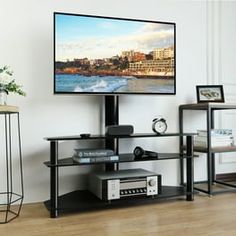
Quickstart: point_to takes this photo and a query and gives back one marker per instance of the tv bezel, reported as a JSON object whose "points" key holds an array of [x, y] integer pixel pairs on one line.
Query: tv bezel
{"points": [[113, 18]]}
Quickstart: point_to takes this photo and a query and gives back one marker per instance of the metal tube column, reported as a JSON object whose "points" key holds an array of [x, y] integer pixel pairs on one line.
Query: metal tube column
{"points": [[54, 179], [189, 169]]}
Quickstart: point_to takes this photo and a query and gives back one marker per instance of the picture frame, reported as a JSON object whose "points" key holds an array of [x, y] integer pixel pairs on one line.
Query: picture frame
{"points": [[210, 93]]}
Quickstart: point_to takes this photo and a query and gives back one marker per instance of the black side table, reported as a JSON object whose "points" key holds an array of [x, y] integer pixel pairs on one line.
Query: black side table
{"points": [[209, 109], [11, 171]]}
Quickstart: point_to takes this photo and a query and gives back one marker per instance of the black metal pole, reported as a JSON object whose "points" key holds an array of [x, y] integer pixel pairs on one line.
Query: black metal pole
{"points": [[209, 161], [54, 179], [213, 154], [111, 118], [181, 145], [111, 110], [21, 162], [10, 157], [7, 167], [189, 169]]}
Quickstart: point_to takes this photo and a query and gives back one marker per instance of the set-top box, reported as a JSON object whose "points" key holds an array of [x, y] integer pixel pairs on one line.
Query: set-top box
{"points": [[112, 185]]}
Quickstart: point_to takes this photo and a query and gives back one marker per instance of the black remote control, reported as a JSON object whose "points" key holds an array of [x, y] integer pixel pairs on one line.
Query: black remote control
{"points": [[87, 135]]}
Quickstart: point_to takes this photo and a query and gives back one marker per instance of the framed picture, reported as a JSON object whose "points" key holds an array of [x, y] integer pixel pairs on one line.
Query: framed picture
{"points": [[210, 93]]}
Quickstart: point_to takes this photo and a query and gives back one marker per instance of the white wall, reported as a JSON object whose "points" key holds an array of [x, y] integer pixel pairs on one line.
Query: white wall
{"points": [[224, 64], [26, 44]]}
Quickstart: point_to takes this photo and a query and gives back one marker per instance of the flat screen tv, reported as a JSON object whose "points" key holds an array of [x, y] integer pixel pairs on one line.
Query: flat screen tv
{"points": [[107, 55]]}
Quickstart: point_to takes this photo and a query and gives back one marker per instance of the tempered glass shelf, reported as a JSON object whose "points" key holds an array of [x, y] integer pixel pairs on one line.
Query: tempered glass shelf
{"points": [[83, 200], [125, 157], [137, 135]]}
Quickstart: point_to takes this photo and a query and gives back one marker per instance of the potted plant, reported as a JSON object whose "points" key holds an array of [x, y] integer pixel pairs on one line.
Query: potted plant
{"points": [[8, 85]]}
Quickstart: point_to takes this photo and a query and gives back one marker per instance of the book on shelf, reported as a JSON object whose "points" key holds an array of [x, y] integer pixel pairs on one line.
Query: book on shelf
{"points": [[93, 152], [229, 138], [219, 138], [214, 144], [216, 141], [95, 159], [216, 132]]}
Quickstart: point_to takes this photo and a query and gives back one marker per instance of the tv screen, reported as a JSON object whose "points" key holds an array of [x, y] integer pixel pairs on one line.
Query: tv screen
{"points": [[106, 55]]}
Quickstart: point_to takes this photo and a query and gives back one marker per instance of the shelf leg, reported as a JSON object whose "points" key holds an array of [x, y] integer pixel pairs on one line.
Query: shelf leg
{"points": [[21, 162], [54, 179], [189, 169], [181, 145], [209, 154], [213, 155], [7, 137]]}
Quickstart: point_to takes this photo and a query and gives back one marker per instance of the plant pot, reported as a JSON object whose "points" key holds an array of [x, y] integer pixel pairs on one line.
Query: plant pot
{"points": [[3, 97]]}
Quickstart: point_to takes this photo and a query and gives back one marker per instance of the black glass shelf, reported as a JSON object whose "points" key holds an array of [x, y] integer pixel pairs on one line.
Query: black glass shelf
{"points": [[125, 157], [137, 135], [83, 200]]}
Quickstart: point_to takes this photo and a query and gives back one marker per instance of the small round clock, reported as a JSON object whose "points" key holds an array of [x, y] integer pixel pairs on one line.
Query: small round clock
{"points": [[159, 125]]}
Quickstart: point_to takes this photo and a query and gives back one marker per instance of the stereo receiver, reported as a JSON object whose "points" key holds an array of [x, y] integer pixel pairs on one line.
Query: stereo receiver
{"points": [[119, 184]]}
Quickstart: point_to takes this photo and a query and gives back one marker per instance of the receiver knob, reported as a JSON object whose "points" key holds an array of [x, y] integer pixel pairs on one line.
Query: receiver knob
{"points": [[152, 182]]}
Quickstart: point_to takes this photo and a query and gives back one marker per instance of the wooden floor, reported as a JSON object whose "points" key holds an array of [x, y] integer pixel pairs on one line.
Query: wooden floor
{"points": [[204, 216]]}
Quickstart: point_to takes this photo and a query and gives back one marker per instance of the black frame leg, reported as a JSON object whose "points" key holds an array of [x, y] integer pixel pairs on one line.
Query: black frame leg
{"points": [[189, 169], [54, 179], [209, 153], [181, 141]]}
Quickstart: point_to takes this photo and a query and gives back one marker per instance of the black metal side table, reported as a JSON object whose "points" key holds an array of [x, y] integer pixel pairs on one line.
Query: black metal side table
{"points": [[210, 109], [11, 171]]}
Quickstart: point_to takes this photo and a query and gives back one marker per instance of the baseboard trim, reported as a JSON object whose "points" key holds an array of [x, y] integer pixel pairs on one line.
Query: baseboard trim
{"points": [[226, 177]]}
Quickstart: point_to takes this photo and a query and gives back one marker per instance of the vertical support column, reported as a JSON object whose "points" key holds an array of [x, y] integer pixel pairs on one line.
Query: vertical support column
{"points": [[209, 153], [21, 162], [181, 145], [189, 169], [112, 118], [213, 154], [54, 179], [111, 110], [10, 156], [8, 173]]}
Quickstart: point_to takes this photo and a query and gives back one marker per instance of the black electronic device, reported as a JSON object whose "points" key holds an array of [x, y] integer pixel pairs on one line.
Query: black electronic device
{"points": [[125, 62], [159, 125], [140, 153], [86, 135], [119, 130]]}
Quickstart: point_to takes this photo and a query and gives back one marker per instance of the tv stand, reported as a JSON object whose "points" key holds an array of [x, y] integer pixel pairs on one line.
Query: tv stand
{"points": [[83, 200]]}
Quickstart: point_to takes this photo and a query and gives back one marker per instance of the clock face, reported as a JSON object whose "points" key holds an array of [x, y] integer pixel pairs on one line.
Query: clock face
{"points": [[159, 126]]}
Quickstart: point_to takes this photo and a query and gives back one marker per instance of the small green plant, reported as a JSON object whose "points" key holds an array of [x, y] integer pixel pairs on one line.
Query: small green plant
{"points": [[8, 84]]}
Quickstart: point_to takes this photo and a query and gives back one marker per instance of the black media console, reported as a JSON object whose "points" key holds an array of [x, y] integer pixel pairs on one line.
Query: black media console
{"points": [[83, 200]]}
